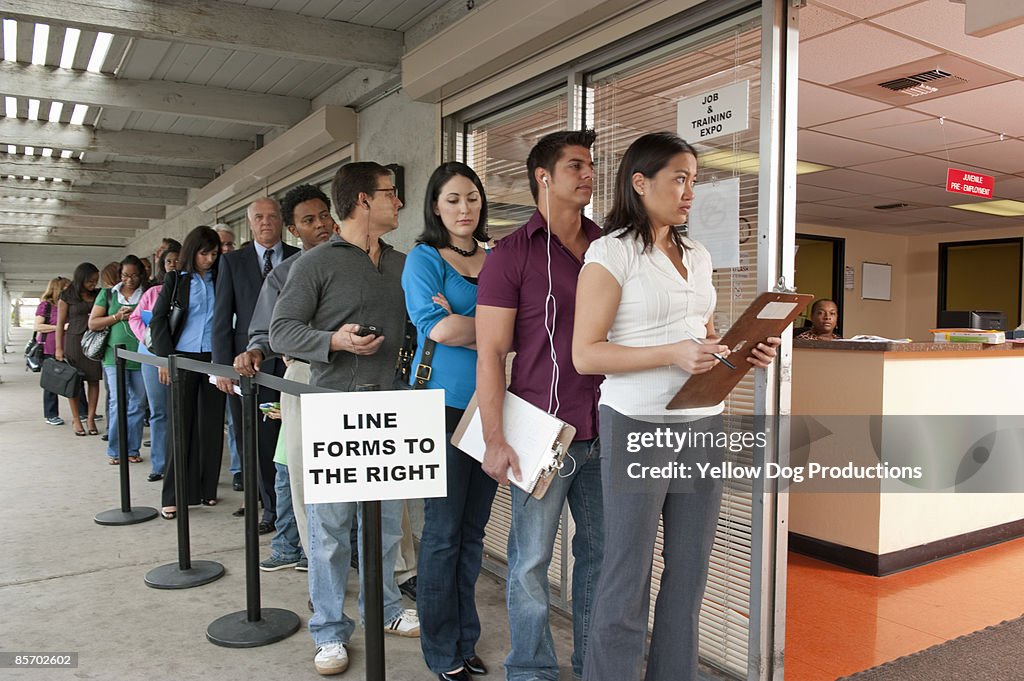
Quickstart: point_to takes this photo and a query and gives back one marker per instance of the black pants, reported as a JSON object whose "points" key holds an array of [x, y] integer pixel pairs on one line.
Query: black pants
{"points": [[267, 431], [51, 406], [202, 420]]}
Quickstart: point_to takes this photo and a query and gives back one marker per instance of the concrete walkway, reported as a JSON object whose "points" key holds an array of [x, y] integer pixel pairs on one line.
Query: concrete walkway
{"points": [[68, 584]]}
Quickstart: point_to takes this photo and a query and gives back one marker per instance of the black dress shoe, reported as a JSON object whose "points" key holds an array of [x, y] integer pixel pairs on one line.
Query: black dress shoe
{"points": [[153, 477], [240, 513], [461, 675], [265, 527], [236, 482], [475, 666]]}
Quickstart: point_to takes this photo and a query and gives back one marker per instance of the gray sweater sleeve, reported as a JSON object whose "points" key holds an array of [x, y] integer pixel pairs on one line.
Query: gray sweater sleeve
{"points": [[259, 327], [291, 332]]}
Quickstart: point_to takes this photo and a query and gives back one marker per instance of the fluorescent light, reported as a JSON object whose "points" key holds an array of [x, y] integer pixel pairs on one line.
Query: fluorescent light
{"points": [[78, 114], [1003, 208], [747, 162], [39, 42], [11, 149], [99, 52], [26, 177], [67, 55], [56, 109], [47, 152], [30, 151], [806, 167], [41, 178], [33, 109], [10, 40], [58, 179], [11, 107], [65, 154]]}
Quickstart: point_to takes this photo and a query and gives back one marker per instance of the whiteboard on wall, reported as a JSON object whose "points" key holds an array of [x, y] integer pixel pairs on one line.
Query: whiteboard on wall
{"points": [[876, 281]]}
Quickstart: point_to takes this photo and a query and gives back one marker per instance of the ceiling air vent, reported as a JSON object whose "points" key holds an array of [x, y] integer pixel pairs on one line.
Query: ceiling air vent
{"points": [[917, 84], [892, 206]]}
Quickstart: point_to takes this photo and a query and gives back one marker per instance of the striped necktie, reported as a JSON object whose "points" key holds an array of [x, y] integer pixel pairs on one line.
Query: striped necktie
{"points": [[267, 264]]}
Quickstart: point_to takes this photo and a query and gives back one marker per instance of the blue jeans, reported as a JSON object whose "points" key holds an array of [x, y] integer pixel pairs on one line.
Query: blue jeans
{"points": [[530, 545], [235, 465], [451, 550], [136, 392], [285, 544], [330, 553], [156, 392]]}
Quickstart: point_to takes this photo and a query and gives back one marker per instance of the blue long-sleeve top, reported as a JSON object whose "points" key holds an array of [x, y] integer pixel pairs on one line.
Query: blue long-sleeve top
{"points": [[426, 274]]}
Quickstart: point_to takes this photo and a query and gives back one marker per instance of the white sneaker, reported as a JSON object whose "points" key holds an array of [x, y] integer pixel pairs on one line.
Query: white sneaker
{"points": [[407, 623], [330, 659]]}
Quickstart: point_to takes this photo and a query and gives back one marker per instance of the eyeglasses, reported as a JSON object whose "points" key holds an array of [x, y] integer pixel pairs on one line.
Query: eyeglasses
{"points": [[131, 276], [392, 192]]}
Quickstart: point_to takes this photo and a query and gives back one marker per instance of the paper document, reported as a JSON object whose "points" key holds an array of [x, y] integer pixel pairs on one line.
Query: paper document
{"points": [[213, 380]]}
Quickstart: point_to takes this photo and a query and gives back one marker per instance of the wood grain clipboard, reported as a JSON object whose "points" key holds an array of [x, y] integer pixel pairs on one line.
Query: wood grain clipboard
{"points": [[768, 315]]}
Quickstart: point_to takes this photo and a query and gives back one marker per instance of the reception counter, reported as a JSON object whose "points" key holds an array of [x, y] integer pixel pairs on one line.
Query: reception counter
{"points": [[882, 532]]}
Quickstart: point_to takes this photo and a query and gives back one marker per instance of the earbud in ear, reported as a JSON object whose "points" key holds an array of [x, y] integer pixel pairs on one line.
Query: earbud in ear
{"points": [[544, 179]]}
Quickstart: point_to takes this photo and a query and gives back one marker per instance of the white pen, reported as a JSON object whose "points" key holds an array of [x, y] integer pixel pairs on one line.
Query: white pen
{"points": [[717, 356]]}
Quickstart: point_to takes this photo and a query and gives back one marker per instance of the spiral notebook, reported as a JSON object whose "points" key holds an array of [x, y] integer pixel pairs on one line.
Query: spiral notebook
{"points": [[540, 439]]}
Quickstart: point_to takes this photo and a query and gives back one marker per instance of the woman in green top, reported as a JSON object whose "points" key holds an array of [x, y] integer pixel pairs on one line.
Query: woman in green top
{"points": [[111, 310]]}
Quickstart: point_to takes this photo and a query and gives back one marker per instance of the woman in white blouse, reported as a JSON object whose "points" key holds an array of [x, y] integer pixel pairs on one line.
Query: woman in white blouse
{"points": [[644, 296]]}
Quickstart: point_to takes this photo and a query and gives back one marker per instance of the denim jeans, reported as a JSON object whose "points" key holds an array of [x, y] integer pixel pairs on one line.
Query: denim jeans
{"points": [[285, 544], [451, 550], [235, 463], [136, 391], [156, 392], [530, 546], [329, 554]]}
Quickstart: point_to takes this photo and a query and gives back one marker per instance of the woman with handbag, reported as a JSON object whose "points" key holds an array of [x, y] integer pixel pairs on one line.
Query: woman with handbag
{"points": [[73, 308], [44, 327], [182, 324], [156, 392], [110, 314], [644, 297], [439, 280]]}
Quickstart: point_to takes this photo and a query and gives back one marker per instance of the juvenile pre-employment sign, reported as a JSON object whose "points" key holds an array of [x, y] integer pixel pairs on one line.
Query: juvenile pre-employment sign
{"points": [[970, 183], [364, 446], [714, 113]]}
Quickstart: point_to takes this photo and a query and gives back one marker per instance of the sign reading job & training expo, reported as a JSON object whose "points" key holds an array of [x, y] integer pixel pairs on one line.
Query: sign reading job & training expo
{"points": [[714, 113], [366, 446]]}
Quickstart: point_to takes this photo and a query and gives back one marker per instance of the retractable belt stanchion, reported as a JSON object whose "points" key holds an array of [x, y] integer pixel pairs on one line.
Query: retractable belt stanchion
{"points": [[126, 515], [186, 573], [373, 583], [254, 626]]}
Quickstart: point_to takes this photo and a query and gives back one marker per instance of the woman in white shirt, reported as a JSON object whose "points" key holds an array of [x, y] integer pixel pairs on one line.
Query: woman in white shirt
{"points": [[644, 295]]}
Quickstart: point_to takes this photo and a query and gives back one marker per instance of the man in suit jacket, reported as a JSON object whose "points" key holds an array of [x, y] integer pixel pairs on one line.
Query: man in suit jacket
{"points": [[239, 278]]}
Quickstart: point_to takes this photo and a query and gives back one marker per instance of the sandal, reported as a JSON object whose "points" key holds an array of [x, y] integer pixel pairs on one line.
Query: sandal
{"points": [[134, 459], [93, 431], [208, 502], [113, 460], [80, 431], [168, 513]]}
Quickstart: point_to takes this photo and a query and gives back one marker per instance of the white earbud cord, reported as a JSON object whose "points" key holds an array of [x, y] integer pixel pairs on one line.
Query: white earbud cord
{"points": [[549, 326]]}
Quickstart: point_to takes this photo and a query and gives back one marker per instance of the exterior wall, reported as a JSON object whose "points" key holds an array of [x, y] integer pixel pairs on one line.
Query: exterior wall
{"points": [[175, 227]]}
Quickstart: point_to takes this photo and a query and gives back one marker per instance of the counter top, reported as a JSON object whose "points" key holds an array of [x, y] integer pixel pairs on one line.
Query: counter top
{"points": [[907, 347]]}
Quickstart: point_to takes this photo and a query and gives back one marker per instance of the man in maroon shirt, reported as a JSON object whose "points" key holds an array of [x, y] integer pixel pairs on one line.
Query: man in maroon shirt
{"points": [[526, 303]]}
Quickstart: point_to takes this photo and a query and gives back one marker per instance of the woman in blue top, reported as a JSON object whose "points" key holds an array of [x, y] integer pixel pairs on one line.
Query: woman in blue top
{"points": [[203, 417], [439, 280], [110, 311]]}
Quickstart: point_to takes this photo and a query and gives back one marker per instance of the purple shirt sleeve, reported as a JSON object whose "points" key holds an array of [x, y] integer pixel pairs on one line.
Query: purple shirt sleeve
{"points": [[500, 278]]}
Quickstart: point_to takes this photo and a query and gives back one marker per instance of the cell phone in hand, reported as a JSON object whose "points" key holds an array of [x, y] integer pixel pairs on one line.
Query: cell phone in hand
{"points": [[369, 330], [270, 406]]}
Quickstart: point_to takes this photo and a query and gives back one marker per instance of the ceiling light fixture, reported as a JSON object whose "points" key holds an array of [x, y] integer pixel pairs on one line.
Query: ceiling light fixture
{"points": [[11, 149], [33, 109], [56, 109], [39, 43], [78, 114], [748, 162], [99, 52], [65, 154], [1003, 208], [47, 152], [67, 54], [11, 107], [30, 151]]}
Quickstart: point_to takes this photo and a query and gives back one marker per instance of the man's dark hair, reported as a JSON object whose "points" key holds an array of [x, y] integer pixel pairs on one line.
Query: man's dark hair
{"points": [[548, 150], [202, 238], [434, 232], [297, 195], [350, 180]]}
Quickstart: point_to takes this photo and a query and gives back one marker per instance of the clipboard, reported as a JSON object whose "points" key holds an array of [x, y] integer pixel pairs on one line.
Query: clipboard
{"points": [[769, 315], [538, 438]]}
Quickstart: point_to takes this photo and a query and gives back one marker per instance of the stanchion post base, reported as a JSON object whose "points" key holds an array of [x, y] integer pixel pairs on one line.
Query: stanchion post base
{"points": [[116, 516], [236, 631], [171, 576]]}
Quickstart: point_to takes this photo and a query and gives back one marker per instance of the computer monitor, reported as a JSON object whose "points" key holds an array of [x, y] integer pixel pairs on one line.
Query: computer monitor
{"points": [[987, 320]]}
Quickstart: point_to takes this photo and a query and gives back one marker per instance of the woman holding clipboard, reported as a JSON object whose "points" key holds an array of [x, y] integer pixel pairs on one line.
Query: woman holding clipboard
{"points": [[645, 304]]}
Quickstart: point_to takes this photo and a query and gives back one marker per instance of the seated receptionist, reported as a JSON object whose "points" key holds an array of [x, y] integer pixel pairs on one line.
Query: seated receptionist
{"points": [[824, 317]]}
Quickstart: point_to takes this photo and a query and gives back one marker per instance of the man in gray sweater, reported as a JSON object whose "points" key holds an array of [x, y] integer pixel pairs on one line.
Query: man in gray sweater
{"points": [[334, 292]]}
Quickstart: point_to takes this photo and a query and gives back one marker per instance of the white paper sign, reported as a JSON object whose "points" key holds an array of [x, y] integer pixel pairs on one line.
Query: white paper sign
{"points": [[714, 113], [715, 220], [363, 446]]}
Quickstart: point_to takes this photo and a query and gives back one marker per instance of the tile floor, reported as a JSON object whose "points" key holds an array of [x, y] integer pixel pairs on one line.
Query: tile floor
{"points": [[839, 621]]}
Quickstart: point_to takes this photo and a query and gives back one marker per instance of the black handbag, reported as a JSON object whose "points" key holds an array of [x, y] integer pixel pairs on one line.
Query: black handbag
{"points": [[175, 318], [34, 354], [59, 377]]}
